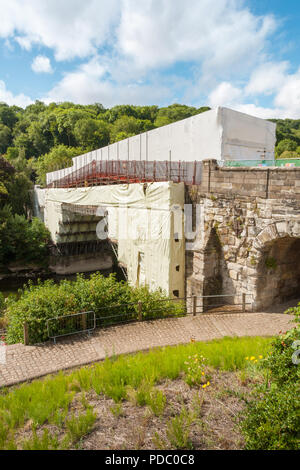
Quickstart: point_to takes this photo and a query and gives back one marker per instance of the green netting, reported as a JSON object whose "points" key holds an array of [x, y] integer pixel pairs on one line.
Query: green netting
{"points": [[280, 162]]}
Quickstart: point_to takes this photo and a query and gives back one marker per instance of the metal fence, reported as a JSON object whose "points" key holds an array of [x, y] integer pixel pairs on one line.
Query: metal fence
{"points": [[131, 171], [118, 314], [84, 322], [279, 162]]}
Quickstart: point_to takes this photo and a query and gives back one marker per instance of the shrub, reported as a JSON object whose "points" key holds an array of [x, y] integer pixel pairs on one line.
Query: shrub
{"points": [[111, 301], [272, 418]]}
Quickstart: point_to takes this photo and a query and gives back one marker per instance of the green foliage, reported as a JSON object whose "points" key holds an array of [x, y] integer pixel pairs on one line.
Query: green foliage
{"points": [[272, 419], [59, 157], [178, 430], [5, 138], [104, 295], [22, 240], [81, 425], [49, 400], [91, 134], [176, 112], [195, 371], [271, 263], [45, 442], [145, 394]]}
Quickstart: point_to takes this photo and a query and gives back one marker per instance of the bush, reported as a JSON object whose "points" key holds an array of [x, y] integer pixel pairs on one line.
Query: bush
{"points": [[273, 416], [273, 421], [21, 240], [111, 301]]}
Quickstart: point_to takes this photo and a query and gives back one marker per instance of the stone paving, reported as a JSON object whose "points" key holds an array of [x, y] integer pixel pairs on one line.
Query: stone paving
{"points": [[28, 362]]}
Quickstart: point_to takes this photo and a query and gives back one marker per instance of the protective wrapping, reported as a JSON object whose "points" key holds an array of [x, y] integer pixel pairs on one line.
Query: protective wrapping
{"points": [[145, 221]]}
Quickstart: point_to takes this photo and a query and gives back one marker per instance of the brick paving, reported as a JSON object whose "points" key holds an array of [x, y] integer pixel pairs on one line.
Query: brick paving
{"points": [[28, 362]]}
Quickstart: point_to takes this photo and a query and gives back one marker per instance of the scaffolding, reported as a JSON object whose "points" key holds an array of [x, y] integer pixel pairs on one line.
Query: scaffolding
{"points": [[107, 172]]}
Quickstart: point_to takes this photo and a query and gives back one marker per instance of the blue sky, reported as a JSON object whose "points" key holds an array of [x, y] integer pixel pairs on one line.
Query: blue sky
{"points": [[237, 53]]}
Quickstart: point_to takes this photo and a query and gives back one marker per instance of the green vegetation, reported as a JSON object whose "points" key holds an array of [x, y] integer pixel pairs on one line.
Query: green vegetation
{"points": [[271, 263], [47, 137], [288, 138], [23, 239], [49, 401], [273, 415], [104, 295], [41, 139]]}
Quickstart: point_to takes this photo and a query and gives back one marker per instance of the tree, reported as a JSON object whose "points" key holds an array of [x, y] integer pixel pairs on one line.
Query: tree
{"points": [[59, 157], [91, 133], [8, 116], [174, 113], [127, 125], [285, 144], [5, 138]]}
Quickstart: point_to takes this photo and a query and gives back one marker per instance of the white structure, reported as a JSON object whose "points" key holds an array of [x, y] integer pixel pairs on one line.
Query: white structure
{"points": [[222, 134], [143, 220]]}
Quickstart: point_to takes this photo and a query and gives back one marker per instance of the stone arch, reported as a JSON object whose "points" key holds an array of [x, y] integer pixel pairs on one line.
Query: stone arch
{"points": [[278, 264], [279, 229]]}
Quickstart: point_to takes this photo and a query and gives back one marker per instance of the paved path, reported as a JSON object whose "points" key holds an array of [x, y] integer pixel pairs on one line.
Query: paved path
{"points": [[29, 362]]}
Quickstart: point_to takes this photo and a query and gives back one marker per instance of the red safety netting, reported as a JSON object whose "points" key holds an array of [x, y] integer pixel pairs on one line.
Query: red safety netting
{"points": [[117, 172]]}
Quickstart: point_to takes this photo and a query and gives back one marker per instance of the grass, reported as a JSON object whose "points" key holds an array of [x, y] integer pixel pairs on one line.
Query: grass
{"points": [[50, 400]]}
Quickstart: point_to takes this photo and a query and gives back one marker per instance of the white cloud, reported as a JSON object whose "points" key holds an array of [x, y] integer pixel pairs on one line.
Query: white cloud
{"points": [[72, 28], [224, 94], [158, 33], [127, 43], [7, 97], [260, 111], [267, 78], [271, 79], [153, 33], [41, 64], [91, 83]]}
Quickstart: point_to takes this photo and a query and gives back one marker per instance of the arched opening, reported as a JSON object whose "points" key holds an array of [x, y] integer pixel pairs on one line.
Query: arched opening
{"points": [[279, 272]]}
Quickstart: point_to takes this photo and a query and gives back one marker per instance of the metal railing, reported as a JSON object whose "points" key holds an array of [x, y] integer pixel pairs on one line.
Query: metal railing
{"points": [[219, 303], [118, 314], [84, 322], [279, 163]]}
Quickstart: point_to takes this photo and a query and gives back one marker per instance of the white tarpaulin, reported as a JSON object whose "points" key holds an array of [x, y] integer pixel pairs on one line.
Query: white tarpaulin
{"points": [[142, 222], [221, 134]]}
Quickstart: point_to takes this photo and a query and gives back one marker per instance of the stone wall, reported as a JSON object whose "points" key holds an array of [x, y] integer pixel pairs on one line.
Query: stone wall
{"points": [[248, 234]]}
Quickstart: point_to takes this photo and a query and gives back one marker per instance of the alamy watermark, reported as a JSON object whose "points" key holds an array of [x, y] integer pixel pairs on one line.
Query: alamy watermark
{"points": [[124, 223], [2, 352], [296, 354]]}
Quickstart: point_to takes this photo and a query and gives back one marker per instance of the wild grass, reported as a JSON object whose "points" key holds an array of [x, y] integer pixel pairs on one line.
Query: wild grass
{"points": [[50, 400]]}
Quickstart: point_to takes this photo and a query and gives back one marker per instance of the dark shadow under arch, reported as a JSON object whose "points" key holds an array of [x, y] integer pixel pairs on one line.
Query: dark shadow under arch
{"points": [[278, 272]]}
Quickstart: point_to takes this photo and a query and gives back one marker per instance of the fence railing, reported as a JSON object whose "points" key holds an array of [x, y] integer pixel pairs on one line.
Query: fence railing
{"points": [[279, 162], [118, 314], [84, 322], [130, 171]]}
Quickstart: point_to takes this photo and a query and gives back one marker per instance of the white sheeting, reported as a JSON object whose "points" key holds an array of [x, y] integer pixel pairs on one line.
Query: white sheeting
{"points": [[221, 133], [141, 220]]}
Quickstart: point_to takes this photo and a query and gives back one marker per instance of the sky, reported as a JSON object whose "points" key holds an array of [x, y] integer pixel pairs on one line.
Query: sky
{"points": [[243, 54]]}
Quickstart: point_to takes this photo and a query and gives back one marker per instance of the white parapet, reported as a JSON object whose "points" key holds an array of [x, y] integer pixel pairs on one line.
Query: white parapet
{"points": [[221, 134]]}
